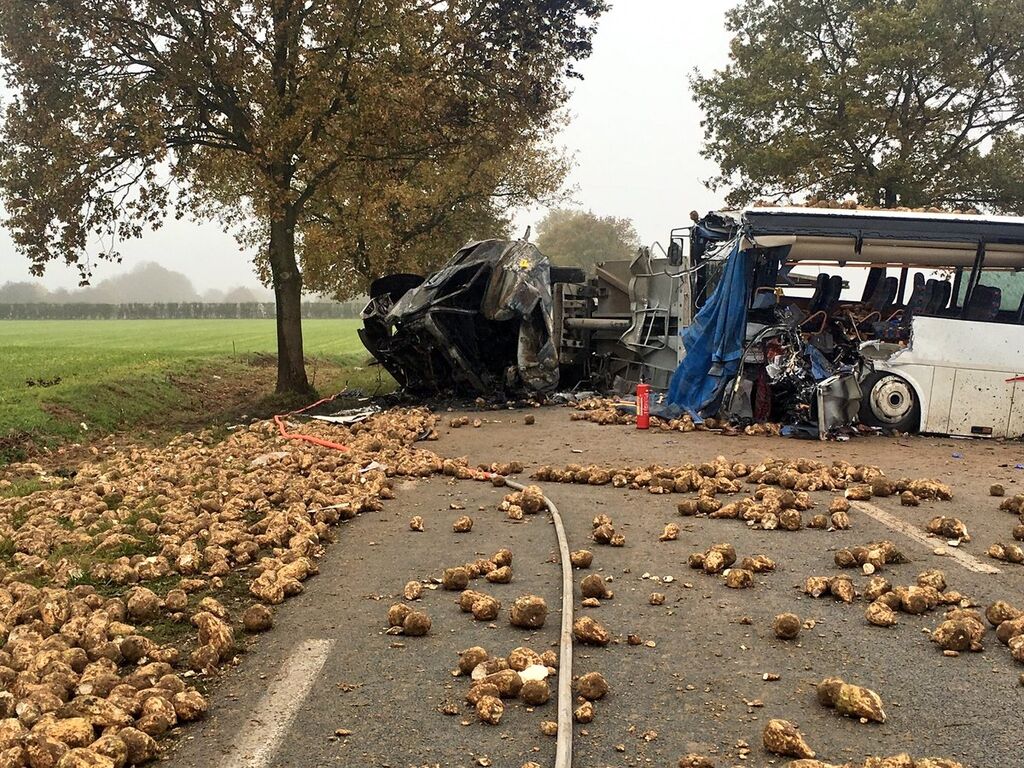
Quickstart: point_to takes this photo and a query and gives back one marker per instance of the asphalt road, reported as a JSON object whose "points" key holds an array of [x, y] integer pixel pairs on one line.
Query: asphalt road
{"points": [[328, 664]]}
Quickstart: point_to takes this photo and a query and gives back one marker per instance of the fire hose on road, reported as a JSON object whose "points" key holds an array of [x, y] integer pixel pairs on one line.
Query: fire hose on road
{"points": [[563, 748]]}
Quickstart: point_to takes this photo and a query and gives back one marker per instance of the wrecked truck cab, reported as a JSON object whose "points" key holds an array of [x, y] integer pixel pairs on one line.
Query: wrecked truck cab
{"points": [[481, 325]]}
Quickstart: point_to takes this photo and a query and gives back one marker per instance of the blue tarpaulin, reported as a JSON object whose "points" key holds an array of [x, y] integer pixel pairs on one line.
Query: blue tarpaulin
{"points": [[714, 342]]}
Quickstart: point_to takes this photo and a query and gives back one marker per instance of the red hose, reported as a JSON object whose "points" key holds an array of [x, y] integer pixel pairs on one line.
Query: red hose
{"points": [[307, 438]]}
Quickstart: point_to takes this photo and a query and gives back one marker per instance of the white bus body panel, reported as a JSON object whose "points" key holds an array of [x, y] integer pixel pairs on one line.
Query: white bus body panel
{"points": [[960, 370], [1017, 410]]}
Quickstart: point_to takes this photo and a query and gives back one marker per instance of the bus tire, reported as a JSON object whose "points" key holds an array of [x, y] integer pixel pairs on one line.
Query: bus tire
{"points": [[889, 402]]}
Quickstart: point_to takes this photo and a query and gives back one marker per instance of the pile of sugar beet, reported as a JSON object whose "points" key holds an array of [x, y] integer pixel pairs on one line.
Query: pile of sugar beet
{"points": [[145, 538]]}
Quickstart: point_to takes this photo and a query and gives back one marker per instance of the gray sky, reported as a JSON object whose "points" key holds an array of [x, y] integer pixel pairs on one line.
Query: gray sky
{"points": [[635, 133]]}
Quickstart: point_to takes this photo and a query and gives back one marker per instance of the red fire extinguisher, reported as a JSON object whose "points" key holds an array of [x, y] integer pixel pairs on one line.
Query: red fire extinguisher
{"points": [[643, 406]]}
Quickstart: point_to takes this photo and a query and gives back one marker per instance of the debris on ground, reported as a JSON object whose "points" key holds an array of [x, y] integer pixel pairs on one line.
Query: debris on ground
{"points": [[413, 590], [781, 737], [871, 557], [463, 524], [584, 713], [528, 612], [671, 533], [786, 626], [416, 624], [739, 578], [455, 579], [696, 761], [1007, 553], [851, 700], [581, 558], [257, 618], [948, 528], [589, 631], [490, 709], [595, 586], [592, 686], [416, 523], [962, 630]]}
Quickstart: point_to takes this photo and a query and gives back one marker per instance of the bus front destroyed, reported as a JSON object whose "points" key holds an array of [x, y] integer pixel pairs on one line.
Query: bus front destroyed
{"points": [[825, 321]]}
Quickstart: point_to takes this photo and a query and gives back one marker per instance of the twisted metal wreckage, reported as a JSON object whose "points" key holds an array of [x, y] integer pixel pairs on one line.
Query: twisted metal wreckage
{"points": [[725, 326]]}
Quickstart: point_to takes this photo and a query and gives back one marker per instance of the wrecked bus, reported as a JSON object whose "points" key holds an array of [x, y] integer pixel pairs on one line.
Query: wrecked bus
{"points": [[915, 321]]}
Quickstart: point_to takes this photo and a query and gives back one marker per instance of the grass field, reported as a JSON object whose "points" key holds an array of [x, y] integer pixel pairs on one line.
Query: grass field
{"points": [[124, 373]]}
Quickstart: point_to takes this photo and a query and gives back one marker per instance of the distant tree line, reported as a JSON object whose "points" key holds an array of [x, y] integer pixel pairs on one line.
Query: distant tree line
{"points": [[146, 283], [192, 310]]}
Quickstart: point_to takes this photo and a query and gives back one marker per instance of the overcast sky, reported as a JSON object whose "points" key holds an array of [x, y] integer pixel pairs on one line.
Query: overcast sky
{"points": [[635, 133]]}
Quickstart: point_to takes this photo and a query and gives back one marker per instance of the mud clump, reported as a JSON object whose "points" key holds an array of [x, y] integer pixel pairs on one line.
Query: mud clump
{"points": [[786, 626], [416, 524], [463, 524]]}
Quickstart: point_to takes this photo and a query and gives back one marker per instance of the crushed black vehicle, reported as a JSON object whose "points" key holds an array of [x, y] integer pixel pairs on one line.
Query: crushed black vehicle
{"points": [[480, 325]]}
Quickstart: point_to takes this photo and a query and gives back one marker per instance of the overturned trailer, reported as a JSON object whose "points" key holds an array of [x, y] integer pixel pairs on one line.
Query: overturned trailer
{"points": [[814, 318]]}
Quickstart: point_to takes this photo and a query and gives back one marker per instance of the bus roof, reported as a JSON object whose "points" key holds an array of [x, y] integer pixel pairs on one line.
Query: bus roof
{"points": [[907, 238]]}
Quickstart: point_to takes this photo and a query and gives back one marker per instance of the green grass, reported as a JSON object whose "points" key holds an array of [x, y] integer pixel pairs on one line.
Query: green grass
{"points": [[120, 374]]}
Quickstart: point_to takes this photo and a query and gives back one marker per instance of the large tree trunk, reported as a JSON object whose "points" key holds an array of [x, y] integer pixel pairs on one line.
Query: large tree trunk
{"points": [[291, 368]]}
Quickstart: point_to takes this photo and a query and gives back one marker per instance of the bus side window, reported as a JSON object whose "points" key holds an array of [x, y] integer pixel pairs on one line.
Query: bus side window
{"points": [[998, 296]]}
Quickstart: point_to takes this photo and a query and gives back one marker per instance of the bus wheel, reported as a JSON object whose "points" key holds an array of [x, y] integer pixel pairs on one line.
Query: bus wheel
{"points": [[889, 402]]}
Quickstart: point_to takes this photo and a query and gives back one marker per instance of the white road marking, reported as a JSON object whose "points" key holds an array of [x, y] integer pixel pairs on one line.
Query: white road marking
{"points": [[257, 743], [893, 523]]}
